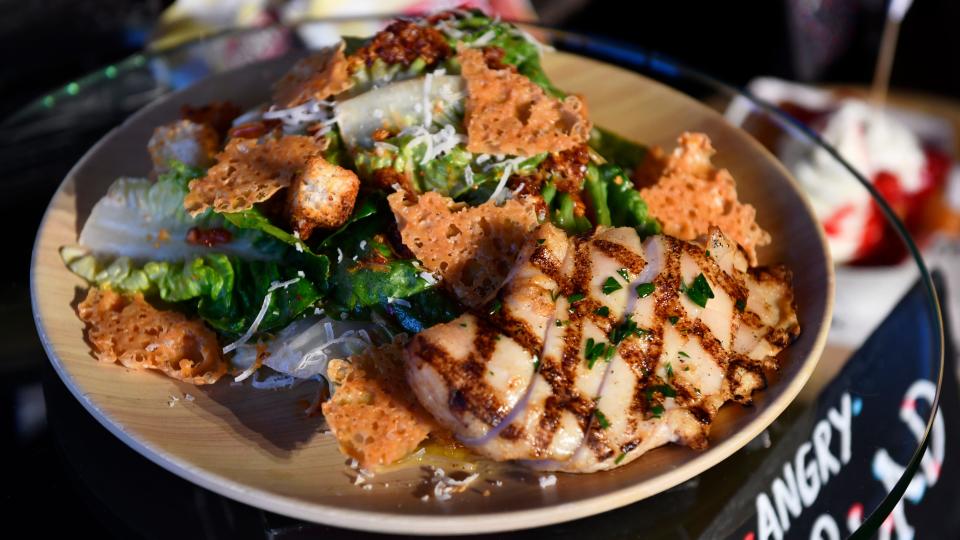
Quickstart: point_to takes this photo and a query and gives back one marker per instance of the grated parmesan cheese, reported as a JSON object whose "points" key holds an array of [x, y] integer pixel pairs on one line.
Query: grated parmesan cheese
{"points": [[484, 39], [248, 334], [547, 481], [296, 118], [284, 284]]}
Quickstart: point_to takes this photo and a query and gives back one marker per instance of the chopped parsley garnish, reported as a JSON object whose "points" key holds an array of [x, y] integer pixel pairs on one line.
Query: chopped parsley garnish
{"points": [[463, 325], [573, 299], [554, 295], [496, 306], [624, 330], [708, 253], [669, 369], [683, 354], [698, 291], [611, 285], [664, 389], [645, 289], [619, 458], [593, 351], [741, 304], [603, 311], [673, 319], [656, 411], [560, 323], [536, 364], [601, 419], [625, 274], [541, 241]]}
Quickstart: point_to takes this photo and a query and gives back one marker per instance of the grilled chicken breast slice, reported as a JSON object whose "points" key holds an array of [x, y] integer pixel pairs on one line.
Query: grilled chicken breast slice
{"points": [[667, 382], [628, 360], [549, 424], [471, 372]]}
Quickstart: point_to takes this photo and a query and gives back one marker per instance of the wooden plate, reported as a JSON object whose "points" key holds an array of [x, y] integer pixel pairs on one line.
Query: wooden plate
{"points": [[257, 446]]}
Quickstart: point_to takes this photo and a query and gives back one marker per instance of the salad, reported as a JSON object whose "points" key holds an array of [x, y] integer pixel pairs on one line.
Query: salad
{"points": [[427, 229]]}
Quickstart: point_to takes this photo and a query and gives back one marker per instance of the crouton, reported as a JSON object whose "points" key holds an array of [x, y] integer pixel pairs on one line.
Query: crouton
{"points": [[189, 142], [507, 113], [318, 76], [128, 330], [322, 196], [692, 195], [477, 246], [248, 172], [373, 414]]}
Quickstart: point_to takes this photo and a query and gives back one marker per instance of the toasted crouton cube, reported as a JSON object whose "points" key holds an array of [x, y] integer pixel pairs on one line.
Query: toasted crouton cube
{"points": [[191, 143], [321, 197]]}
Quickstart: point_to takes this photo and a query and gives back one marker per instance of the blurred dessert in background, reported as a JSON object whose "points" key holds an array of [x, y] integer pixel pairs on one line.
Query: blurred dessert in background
{"points": [[905, 170], [905, 155]]}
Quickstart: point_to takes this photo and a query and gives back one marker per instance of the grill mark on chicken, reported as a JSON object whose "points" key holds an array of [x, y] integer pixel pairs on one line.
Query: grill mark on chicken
{"points": [[469, 390], [543, 259], [779, 337], [701, 414], [511, 432], [708, 341], [588, 307], [597, 441], [561, 380], [711, 270], [516, 329], [622, 254], [741, 363]]}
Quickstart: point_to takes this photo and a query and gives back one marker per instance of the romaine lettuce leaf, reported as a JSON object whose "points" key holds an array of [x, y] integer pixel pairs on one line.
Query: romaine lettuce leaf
{"points": [[226, 292], [145, 220], [615, 202], [617, 149], [369, 284], [232, 310], [519, 48], [423, 310]]}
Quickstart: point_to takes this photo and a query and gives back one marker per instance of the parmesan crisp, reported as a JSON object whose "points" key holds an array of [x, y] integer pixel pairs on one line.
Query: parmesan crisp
{"points": [[248, 172], [507, 113], [318, 76], [692, 195], [373, 414], [128, 330], [473, 248]]}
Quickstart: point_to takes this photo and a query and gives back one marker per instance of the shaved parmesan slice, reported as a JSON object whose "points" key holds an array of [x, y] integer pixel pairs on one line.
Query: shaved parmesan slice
{"points": [[401, 105]]}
